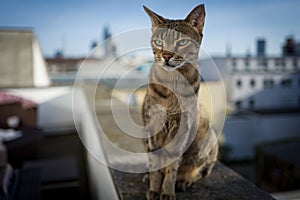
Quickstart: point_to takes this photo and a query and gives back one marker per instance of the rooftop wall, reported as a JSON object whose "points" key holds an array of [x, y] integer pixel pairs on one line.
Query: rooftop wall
{"points": [[21, 60]]}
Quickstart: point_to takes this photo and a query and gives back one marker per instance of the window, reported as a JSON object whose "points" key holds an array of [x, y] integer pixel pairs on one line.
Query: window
{"points": [[252, 83], [238, 105], [283, 64], [251, 103], [286, 82], [234, 64], [262, 62], [268, 83], [277, 61], [295, 63], [238, 83], [247, 62]]}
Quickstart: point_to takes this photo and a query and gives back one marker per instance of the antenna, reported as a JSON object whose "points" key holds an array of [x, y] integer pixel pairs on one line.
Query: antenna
{"points": [[228, 50], [248, 52]]}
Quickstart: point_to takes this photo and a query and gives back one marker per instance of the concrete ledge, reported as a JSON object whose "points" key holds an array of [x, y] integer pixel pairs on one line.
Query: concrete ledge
{"points": [[223, 183]]}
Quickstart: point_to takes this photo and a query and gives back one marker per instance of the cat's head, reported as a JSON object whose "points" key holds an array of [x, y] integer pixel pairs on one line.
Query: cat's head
{"points": [[177, 42]]}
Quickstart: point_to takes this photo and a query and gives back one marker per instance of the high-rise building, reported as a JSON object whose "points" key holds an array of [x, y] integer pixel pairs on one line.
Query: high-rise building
{"points": [[261, 47]]}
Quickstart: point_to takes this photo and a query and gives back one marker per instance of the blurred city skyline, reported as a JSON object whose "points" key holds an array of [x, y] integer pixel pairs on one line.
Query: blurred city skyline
{"points": [[74, 25]]}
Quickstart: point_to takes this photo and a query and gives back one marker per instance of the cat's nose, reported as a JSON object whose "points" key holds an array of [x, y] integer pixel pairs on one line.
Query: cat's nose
{"points": [[167, 56]]}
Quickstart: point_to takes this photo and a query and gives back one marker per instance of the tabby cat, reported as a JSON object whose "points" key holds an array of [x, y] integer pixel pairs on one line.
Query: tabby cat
{"points": [[181, 146]]}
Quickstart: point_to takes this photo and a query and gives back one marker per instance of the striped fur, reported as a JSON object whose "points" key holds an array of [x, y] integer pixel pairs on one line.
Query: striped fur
{"points": [[171, 111]]}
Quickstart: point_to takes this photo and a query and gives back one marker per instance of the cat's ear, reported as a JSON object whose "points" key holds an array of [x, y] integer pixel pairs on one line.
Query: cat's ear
{"points": [[196, 18], [155, 18]]}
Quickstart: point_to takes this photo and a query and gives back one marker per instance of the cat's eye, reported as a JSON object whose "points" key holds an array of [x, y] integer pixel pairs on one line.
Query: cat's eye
{"points": [[183, 42], [158, 43]]}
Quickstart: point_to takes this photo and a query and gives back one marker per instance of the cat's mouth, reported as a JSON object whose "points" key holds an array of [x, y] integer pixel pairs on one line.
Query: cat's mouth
{"points": [[167, 66], [170, 66]]}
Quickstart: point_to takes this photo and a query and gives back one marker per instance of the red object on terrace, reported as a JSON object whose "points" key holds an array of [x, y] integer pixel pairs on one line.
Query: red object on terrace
{"points": [[6, 98]]}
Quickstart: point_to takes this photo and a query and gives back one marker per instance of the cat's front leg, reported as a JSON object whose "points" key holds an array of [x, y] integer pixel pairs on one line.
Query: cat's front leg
{"points": [[184, 136], [168, 185], [155, 178]]}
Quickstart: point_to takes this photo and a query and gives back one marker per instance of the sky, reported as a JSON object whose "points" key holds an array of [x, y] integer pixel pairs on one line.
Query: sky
{"points": [[231, 24]]}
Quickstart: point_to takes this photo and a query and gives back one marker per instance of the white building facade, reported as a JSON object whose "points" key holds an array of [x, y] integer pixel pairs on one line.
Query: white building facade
{"points": [[263, 93], [263, 83], [259, 83]]}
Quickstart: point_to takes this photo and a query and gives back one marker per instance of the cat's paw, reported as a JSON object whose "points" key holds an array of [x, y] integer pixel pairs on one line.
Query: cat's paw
{"points": [[152, 195], [146, 178], [183, 185], [167, 196]]}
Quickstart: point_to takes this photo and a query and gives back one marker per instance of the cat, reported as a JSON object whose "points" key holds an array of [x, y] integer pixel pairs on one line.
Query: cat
{"points": [[181, 146]]}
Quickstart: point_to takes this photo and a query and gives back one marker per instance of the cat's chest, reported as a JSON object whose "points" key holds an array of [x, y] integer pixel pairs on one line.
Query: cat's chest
{"points": [[172, 103], [173, 85], [168, 131]]}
